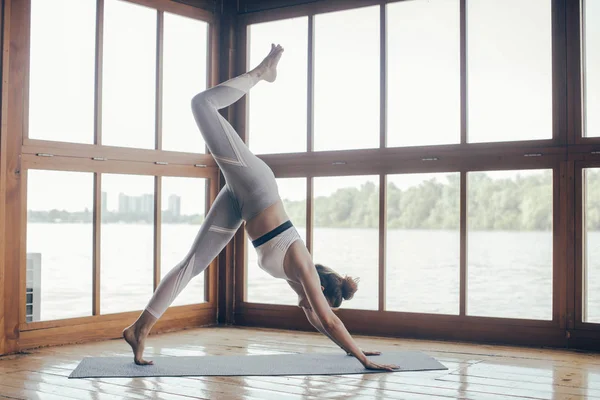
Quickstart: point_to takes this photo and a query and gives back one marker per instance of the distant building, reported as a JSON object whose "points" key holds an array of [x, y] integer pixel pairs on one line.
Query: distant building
{"points": [[147, 204], [143, 204], [104, 203], [124, 203], [175, 205], [135, 204]]}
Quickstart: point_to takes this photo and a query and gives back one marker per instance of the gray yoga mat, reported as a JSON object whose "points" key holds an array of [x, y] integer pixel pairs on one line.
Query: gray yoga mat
{"points": [[270, 365]]}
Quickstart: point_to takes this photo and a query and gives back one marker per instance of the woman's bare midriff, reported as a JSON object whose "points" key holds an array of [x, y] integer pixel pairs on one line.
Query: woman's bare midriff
{"points": [[267, 220]]}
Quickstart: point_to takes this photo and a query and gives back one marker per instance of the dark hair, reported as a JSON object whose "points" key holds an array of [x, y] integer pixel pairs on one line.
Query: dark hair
{"points": [[335, 286]]}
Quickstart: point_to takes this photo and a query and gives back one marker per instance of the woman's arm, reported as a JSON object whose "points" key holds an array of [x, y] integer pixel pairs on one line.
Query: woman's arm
{"points": [[314, 321], [330, 324], [310, 315]]}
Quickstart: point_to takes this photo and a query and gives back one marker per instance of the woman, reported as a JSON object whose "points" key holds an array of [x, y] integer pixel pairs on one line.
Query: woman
{"points": [[251, 195]]}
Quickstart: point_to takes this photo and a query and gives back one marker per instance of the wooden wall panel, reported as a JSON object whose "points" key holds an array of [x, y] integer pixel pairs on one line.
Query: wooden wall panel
{"points": [[3, 142], [15, 61]]}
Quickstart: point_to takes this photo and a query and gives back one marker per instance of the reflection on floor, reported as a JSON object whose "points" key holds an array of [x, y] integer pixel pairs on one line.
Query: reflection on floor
{"points": [[475, 371]]}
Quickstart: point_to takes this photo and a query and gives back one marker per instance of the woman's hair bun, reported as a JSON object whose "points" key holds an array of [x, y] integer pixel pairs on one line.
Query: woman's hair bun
{"points": [[349, 287]]}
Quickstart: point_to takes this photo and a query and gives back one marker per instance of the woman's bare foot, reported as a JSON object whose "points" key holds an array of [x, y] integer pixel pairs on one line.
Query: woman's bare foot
{"points": [[267, 69], [136, 338]]}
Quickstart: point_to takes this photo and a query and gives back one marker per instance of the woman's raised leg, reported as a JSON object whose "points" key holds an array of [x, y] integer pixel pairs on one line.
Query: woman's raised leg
{"points": [[224, 143]]}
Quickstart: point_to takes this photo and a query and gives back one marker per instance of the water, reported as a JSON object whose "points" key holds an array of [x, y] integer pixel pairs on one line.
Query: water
{"points": [[126, 279], [509, 273]]}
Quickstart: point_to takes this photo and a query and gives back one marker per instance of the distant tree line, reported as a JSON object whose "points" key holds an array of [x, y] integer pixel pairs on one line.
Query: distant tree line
{"points": [[522, 203]]}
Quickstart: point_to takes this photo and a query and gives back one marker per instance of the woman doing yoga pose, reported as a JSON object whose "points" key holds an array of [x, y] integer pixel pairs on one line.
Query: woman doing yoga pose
{"points": [[251, 195]]}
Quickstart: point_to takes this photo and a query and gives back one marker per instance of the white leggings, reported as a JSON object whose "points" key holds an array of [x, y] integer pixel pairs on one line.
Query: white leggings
{"points": [[250, 188]]}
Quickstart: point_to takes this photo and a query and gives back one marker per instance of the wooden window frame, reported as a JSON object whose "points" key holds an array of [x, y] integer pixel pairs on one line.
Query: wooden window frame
{"points": [[558, 153], [20, 154]]}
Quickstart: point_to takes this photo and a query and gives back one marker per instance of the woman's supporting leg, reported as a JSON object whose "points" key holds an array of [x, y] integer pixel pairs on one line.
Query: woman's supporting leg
{"points": [[221, 223]]}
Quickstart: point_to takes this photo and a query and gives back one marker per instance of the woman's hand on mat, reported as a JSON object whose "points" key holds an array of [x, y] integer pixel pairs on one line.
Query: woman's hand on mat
{"points": [[368, 353], [386, 367]]}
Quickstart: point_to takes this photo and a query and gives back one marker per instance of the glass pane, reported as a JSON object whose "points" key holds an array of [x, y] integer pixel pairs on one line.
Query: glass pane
{"points": [[61, 74], [423, 209], [423, 72], [262, 287], [509, 70], [346, 232], [127, 237], [347, 80], [592, 66], [129, 75], [59, 245], [270, 118], [183, 210], [184, 75], [510, 244], [591, 278]]}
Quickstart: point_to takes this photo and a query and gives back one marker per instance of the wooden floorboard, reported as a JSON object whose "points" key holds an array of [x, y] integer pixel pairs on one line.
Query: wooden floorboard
{"points": [[474, 371]]}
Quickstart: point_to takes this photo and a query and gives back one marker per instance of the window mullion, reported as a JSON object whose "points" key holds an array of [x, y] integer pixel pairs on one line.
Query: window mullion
{"points": [[463, 71], [157, 229], [310, 85], [96, 250], [463, 245], [463, 174], [98, 72], [382, 239], [160, 24], [310, 125], [382, 144], [97, 213]]}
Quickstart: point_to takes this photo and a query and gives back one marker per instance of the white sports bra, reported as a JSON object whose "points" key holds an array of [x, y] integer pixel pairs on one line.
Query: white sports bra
{"points": [[272, 253]]}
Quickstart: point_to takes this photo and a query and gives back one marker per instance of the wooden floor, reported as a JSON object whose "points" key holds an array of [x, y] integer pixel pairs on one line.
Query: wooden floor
{"points": [[474, 371]]}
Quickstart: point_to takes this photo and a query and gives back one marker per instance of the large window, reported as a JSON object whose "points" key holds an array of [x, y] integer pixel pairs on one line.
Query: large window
{"points": [[129, 75], [423, 210], [461, 231], [423, 42], [591, 65], [509, 70], [508, 98], [346, 80], [510, 244], [277, 112], [101, 220], [61, 76], [185, 63], [59, 245]]}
